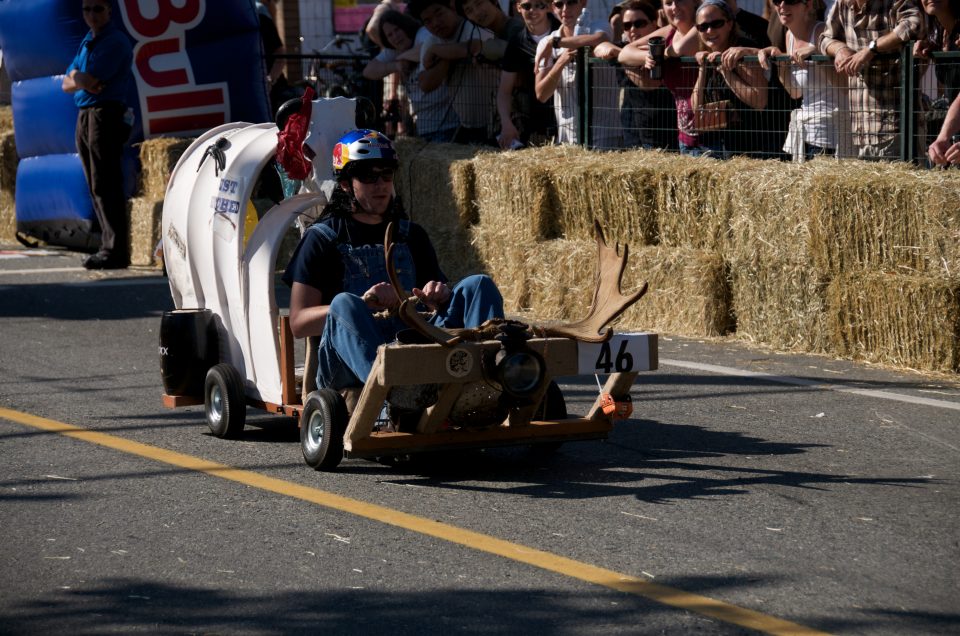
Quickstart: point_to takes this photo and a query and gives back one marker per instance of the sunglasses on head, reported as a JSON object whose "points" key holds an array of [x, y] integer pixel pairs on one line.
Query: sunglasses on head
{"points": [[636, 24], [530, 6], [97, 8], [703, 27], [777, 3], [369, 177], [569, 3]]}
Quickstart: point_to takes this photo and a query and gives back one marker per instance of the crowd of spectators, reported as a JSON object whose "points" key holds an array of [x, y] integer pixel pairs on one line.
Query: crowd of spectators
{"points": [[804, 79]]}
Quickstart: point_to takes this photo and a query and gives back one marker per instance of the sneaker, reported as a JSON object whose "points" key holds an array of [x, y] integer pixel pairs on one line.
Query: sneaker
{"points": [[105, 260]]}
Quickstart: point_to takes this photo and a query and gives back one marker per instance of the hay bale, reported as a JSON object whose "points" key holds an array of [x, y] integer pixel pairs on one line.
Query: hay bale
{"points": [[145, 214], [885, 216], [6, 119], [776, 295], [515, 195], [436, 184], [687, 288], [8, 163], [897, 319], [618, 189], [8, 219], [693, 201], [158, 156], [504, 262]]}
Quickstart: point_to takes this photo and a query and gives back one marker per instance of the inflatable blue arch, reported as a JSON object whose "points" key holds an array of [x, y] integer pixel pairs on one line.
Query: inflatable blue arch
{"points": [[197, 64]]}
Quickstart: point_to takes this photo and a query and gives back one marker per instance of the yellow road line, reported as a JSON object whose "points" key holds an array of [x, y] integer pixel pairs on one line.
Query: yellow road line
{"points": [[674, 597]]}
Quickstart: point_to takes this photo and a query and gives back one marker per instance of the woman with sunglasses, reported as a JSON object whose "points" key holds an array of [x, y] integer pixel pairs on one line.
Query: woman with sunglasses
{"points": [[338, 276], [522, 115], [726, 79], [678, 78], [647, 112], [817, 84]]}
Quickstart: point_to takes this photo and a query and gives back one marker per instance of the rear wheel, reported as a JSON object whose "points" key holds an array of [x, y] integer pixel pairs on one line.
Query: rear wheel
{"points": [[224, 403], [322, 425]]}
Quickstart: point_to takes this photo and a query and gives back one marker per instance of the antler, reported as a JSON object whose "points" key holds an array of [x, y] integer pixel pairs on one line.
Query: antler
{"points": [[608, 300], [408, 303]]}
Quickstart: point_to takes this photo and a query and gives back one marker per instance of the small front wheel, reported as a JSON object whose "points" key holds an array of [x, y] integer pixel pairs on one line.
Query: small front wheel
{"points": [[322, 426], [223, 401]]}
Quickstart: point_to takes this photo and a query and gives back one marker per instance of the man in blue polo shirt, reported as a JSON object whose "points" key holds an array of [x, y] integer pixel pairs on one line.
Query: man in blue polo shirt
{"points": [[99, 78]]}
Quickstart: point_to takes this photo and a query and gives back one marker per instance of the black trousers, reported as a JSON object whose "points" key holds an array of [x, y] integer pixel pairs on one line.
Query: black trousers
{"points": [[101, 134]]}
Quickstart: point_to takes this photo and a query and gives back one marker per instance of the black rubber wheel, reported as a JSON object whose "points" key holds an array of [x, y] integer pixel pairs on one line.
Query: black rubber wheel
{"points": [[224, 403], [322, 425], [553, 407]]}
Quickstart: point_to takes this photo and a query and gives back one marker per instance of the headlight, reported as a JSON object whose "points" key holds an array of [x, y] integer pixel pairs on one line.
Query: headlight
{"points": [[519, 373]]}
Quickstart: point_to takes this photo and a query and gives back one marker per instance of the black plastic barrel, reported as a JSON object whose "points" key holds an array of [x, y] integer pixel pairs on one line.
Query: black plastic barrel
{"points": [[188, 348]]}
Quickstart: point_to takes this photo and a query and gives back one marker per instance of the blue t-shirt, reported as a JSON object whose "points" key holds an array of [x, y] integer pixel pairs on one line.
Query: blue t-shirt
{"points": [[109, 58], [317, 261]]}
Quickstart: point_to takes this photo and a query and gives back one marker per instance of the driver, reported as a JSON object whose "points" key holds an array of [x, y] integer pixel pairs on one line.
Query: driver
{"points": [[338, 276]]}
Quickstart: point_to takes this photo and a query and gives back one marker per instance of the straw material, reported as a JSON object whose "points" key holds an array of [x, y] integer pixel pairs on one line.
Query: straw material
{"points": [[436, 184], [777, 296], [145, 216], [693, 201], [6, 119], [555, 280], [619, 189], [514, 194], [8, 163], [158, 156], [903, 320], [8, 219], [885, 216]]}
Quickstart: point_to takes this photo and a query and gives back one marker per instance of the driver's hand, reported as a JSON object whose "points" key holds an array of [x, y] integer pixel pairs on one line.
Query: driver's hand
{"points": [[434, 294], [381, 296]]}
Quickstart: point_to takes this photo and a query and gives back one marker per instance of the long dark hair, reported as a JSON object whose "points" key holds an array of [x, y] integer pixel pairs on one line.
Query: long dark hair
{"points": [[342, 203], [407, 24]]}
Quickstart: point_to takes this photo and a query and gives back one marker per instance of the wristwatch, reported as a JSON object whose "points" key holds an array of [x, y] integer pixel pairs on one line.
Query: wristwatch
{"points": [[872, 47], [556, 41]]}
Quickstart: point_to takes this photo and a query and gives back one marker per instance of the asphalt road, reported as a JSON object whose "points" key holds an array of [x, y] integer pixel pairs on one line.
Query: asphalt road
{"points": [[779, 492]]}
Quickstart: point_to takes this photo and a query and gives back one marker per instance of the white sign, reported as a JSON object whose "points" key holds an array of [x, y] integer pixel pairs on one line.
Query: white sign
{"points": [[623, 353]]}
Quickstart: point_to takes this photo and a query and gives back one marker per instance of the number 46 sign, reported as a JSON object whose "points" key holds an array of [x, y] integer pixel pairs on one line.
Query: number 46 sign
{"points": [[623, 353]]}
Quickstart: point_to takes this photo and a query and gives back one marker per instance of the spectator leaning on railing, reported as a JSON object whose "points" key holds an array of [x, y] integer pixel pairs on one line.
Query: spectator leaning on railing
{"points": [[943, 34], [556, 77], [647, 113], [402, 37], [451, 55], [946, 149], [726, 88], [523, 118], [815, 129], [678, 78], [856, 32]]}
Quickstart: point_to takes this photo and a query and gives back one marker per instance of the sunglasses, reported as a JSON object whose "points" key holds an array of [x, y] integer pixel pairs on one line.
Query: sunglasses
{"points": [[531, 6], [636, 24], [97, 8], [777, 3], [569, 3], [703, 27], [370, 177]]}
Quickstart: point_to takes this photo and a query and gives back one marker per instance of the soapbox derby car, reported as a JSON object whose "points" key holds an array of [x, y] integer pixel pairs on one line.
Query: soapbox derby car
{"points": [[227, 345]]}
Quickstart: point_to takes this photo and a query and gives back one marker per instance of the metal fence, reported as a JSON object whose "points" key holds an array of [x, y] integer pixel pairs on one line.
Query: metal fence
{"points": [[892, 111]]}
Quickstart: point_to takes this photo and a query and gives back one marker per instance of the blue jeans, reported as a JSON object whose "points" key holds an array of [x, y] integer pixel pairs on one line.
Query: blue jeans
{"points": [[716, 152], [351, 335]]}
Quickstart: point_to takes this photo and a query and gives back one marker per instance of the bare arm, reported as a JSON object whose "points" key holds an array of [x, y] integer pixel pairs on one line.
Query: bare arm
{"points": [[307, 314], [549, 78], [375, 70], [749, 84], [508, 132]]}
